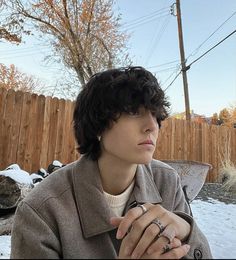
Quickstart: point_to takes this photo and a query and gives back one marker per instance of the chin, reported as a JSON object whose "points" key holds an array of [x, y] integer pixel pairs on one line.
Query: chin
{"points": [[145, 160]]}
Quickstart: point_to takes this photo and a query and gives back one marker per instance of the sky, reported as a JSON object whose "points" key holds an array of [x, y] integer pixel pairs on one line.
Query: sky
{"points": [[154, 45], [216, 220]]}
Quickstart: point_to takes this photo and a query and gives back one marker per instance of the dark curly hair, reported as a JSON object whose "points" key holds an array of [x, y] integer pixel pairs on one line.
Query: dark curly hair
{"points": [[106, 96]]}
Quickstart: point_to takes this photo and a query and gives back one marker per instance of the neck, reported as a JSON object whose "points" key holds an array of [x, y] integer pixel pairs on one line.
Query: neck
{"points": [[116, 175]]}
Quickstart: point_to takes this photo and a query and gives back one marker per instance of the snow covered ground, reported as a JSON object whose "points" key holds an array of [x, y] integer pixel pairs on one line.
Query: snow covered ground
{"points": [[216, 219]]}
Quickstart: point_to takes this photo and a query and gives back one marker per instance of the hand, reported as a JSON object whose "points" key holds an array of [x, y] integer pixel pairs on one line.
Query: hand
{"points": [[142, 231], [159, 249]]}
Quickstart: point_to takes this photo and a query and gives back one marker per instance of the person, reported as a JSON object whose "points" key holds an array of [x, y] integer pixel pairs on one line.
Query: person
{"points": [[116, 200]]}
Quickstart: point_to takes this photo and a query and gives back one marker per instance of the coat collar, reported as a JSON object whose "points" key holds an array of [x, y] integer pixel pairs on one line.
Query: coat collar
{"points": [[93, 209]]}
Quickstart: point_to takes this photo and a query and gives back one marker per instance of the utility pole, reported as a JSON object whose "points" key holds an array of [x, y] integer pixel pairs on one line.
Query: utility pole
{"points": [[183, 64]]}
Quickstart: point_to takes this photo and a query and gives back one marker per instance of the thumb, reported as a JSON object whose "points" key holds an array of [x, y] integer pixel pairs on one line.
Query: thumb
{"points": [[115, 221]]}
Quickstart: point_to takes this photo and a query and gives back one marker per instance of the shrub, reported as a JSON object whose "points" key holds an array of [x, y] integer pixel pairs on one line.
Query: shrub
{"points": [[228, 173]]}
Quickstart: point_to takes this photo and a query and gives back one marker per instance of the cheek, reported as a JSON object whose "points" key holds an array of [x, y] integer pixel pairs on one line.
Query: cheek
{"points": [[115, 139], [118, 139]]}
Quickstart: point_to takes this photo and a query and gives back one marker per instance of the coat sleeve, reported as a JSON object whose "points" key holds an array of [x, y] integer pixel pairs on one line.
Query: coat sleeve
{"points": [[31, 237], [199, 246]]}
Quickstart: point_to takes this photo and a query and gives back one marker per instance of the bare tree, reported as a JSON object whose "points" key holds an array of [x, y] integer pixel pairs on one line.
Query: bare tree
{"points": [[85, 34]]}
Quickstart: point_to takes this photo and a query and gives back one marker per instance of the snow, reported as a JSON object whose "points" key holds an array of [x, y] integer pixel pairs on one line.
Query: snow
{"points": [[57, 163], [16, 173], [5, 247], [216, 220]]}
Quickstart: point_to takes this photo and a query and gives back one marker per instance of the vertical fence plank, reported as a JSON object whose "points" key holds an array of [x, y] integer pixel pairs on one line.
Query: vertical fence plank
{"points": [[7, 126], [45, 137], [52, 129], [172, 139], [16, 120], [24, 130], [38, 134], [214, 149], [188, 139], [184, 139], [3, 94], [60, 131], [177, 140], [72, 153], [31, 141]]}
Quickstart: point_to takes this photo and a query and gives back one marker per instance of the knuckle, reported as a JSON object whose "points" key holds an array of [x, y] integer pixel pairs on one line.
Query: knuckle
{"points": [[165, 214], [151, 231], [176, 242], [131, 241], [137, 225], [148, 205], [131, 213]]}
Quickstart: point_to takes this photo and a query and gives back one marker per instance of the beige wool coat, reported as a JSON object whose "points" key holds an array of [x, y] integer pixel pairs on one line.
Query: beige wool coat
{"points": [[67, 216]]}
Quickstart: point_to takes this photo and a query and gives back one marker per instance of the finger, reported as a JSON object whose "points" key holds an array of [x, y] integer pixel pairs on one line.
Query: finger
{"points": [[137, 230], [122, 253], [177, 253], [150, 234], [115, 221], [158, 245], [169, 232], [153, 211], [129, 218], [175, 243]]}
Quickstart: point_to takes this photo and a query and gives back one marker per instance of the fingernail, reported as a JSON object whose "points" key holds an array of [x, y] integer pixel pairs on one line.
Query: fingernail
{"points": [[119, 234]]}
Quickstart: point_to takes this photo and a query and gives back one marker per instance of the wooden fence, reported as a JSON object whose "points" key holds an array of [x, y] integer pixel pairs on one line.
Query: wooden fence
{"points": [[184, 140], [35, 130]]}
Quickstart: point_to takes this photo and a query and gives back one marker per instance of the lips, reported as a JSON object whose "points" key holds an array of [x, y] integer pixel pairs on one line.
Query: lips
{"points": [[147, 142]]}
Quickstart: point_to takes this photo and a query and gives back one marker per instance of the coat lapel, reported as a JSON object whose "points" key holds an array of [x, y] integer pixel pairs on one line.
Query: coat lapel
{"points": [[94, 211]]}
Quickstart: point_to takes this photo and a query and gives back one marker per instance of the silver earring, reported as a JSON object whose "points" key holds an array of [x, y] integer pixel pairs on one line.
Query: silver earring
{"points": [[99, 138]]}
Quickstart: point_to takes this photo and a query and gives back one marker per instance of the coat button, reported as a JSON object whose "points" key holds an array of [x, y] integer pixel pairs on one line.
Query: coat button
{"points": [[197, 254]]}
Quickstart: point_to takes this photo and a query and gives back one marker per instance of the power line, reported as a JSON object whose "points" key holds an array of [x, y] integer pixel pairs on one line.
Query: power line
{"points": [[173, 80], [163, 64], [157, 38], [132, 26], [144, 17], [188, 66], [167, 69], [197, 49], [177, 68]]}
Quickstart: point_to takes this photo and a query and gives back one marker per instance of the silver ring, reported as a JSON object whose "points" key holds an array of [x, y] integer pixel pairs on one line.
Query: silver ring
{"points": [[159, 224], [166, 248], [143, 208], [168, 235]]}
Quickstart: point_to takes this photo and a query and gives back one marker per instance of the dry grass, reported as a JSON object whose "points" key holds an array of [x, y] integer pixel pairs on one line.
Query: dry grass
{"points": [[228, 173], [228, 169]]}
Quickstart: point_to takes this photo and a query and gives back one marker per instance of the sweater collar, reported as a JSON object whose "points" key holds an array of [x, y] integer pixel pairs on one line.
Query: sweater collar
{"points": [[93, 209]]}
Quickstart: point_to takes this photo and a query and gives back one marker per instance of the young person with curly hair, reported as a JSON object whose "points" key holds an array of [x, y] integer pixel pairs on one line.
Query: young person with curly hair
{"points": [[115, 201]]}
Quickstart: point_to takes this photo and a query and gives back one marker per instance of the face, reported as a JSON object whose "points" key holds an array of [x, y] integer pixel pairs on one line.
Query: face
{"points": [[132, 138]]}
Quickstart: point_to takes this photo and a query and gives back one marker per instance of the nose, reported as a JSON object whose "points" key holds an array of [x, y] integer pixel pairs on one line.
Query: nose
{"points": [[150, 124]]}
